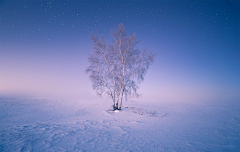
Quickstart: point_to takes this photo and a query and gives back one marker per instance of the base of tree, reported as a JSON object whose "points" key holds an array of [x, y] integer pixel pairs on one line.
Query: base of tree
{"points": [[116, 108]]}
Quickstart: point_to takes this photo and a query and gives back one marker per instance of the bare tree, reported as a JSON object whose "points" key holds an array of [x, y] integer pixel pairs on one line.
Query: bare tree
{"points": [[117, 68]]}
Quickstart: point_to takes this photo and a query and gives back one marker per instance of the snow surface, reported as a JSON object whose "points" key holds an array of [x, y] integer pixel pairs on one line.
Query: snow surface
{"points": [[55, 125]]}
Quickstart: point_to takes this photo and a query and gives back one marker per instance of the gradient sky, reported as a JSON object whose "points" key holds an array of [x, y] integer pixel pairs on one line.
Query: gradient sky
{"points": [[45, 44]]}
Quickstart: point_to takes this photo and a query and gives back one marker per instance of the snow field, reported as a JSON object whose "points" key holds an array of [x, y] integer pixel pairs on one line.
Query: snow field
{"points": [[48, 125]]}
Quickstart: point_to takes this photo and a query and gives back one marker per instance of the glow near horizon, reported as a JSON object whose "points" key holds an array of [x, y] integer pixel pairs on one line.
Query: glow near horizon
{"points": [[192, 63]]}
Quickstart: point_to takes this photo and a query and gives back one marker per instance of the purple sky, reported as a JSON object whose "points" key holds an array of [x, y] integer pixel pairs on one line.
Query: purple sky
{"points": [[45, 44]]}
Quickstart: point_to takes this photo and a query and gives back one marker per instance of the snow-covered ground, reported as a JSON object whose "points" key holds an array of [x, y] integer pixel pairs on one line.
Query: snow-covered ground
{"points": [[72, 125]]}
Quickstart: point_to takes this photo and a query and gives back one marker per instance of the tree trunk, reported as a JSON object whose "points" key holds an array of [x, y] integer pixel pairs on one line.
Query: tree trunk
{"points": [[113, 104], [120, 106]]}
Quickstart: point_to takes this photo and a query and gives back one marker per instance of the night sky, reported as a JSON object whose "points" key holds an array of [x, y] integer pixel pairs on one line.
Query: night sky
{"points": [[45, 44]]}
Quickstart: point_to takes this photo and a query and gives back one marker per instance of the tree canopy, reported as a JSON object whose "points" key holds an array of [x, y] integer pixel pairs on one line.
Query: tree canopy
{"points": [[117, 69]]}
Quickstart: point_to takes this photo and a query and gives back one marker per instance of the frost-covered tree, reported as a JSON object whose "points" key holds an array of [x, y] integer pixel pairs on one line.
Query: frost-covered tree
{"points": [[116, 69]]}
